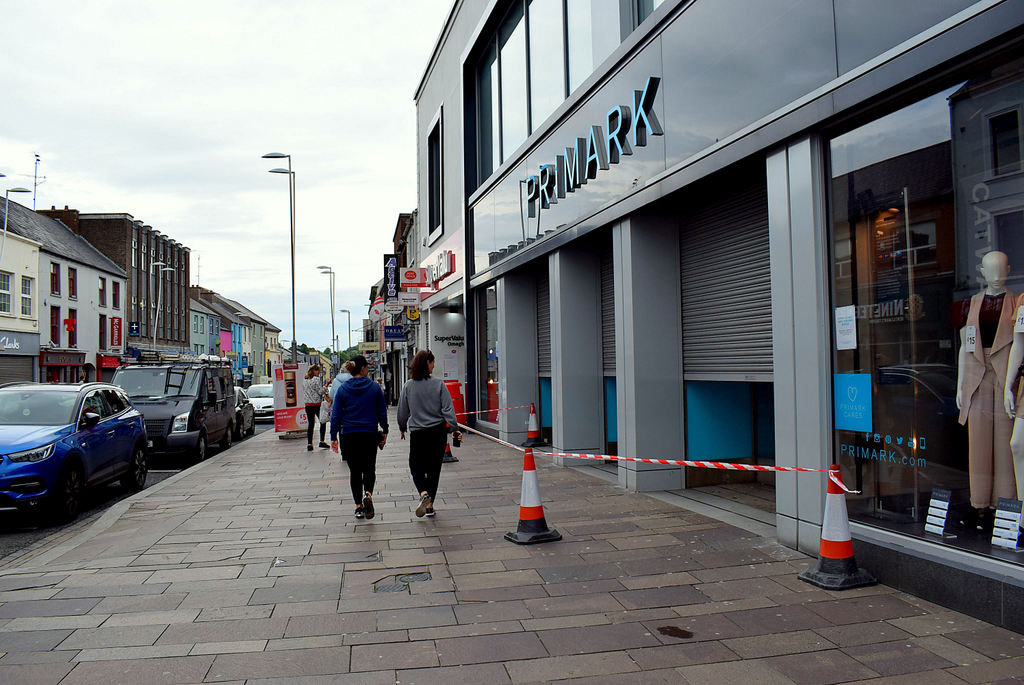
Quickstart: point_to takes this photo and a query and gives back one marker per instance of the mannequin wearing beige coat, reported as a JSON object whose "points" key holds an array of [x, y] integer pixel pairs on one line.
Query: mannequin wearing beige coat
{"points": [[981, 382]]}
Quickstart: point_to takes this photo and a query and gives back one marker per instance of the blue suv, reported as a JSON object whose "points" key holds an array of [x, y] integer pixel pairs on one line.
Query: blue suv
{"points": [[58, 439]]}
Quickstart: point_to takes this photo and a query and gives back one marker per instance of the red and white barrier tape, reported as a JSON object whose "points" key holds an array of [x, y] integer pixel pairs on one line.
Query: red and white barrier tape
{"points": [[487, 411], [726, 466]]}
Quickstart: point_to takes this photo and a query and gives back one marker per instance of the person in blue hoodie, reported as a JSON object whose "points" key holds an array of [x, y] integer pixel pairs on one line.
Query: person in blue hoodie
{"points": [[358, 409]]}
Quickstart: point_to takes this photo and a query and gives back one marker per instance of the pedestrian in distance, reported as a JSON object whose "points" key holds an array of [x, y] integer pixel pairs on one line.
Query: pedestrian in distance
{"points": [[344, 373], [425, 409], [314, 394], [359, 408]]}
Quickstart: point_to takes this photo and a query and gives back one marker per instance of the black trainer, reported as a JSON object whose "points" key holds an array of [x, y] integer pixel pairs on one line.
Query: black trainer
{"points": [[324, 445], [368, 506], [359, 513], [425, 504]]}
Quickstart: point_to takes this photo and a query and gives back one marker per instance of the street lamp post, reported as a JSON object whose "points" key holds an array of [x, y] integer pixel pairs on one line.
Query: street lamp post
{"points": [[159, 299], [291, 217], [330, 272], [7, 203], [349, 327]]}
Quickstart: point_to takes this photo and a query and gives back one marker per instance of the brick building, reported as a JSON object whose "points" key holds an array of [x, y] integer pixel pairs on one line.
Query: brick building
{"points": [[142, 252]]}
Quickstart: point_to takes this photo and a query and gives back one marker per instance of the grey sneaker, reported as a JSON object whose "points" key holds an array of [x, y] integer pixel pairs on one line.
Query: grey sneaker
{"points": [[425, 504]]}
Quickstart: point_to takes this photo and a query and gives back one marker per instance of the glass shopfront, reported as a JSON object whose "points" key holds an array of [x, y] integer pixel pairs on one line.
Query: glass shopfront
{"points": [[927, 220]]}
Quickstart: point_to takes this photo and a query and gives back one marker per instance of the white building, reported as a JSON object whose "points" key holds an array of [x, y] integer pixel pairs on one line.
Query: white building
{"points": [[19, 321]]}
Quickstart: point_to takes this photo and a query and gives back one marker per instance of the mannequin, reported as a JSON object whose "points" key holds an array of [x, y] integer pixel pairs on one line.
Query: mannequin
{"points": [[981, 379], [1013, 402]]}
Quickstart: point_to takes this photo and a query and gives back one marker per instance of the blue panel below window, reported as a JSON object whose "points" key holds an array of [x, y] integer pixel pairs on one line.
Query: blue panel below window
{"points": [[545, 403], [719, 421], [611, 417]]}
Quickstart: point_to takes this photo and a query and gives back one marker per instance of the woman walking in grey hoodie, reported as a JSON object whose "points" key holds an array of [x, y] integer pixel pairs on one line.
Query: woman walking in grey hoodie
{"points": [[425, 409]]}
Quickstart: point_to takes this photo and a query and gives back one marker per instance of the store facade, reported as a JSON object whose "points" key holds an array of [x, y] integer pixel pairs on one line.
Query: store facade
{"points": [[681, 246]]}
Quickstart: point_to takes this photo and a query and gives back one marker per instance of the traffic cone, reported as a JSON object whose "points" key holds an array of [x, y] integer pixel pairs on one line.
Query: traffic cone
{"points": [[533, 438], [532, 526], [448, 457], [836, 569]]}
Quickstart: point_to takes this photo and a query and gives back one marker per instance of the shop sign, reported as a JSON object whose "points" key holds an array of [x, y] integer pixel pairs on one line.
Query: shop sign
{"points": [[377, 308], [443, 267], [412, 313], [371, 346], [62, 359], [394, 333], [12, 342], [393, 307], [390, 288], [409, 299], [414, 277], [597, 151], [69, 325], [115, 331], [106, 361], [134, 329]]}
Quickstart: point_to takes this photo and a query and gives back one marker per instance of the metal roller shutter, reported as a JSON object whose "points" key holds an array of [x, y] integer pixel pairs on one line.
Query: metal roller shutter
{"points": [[607, 313], [543, 325], [15, 368], [726, 284]]}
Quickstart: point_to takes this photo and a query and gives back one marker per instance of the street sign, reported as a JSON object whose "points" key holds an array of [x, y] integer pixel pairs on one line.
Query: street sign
{"points": [[371, 346], [393, 307], [394, 333]]}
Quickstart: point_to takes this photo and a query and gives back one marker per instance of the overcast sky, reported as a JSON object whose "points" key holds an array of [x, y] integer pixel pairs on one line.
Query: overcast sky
{"points": [[163, 110]]}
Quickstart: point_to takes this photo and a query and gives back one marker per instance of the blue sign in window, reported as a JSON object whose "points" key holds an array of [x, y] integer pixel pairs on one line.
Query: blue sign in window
{"points": [[852, 401]]}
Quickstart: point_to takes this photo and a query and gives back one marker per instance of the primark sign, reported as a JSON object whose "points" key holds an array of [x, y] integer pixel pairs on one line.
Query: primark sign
{"points": [[605, 144]]}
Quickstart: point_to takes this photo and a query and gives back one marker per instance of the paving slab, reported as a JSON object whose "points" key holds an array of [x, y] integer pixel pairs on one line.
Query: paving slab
{"points": [[249, 568]]}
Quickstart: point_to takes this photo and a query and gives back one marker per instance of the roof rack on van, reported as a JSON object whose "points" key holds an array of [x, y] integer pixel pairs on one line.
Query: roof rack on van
{"points": [[160, 358]]}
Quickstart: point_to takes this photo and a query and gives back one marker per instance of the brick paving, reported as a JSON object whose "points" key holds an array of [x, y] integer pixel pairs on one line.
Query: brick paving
{"points": [[250, 568]]}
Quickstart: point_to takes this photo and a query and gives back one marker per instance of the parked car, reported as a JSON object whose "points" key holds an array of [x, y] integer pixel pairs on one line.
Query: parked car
{"points": [[262, 397], [245, 415], [58, 439], [186, 405]]}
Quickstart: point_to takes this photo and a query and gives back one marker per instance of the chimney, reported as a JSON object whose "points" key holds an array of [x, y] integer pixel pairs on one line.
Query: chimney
{"points": [[68, 217]]}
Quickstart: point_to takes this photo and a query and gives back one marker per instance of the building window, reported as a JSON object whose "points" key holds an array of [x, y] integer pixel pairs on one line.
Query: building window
{"points": [[488, 353], [115, 295], [515, 121], [434, 177], [143, 263], [103, 331], [26, 296], [202, 324], [645, 8], [72, 283], [55, 326], [1005, 133], [547, 53], [103, 292], [72, 328], [926, 282], [5, 292], [54, 278]]}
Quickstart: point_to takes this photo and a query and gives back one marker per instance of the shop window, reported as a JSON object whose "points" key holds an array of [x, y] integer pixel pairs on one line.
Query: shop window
{"points": [[434, 189], [54, 278], [72, 327], [103, 331], [26, 295], [115, 295], [927, 282], [103, 292], [1005, 133], [488, 354], [6, 280], [72, 283], [55, 336]]}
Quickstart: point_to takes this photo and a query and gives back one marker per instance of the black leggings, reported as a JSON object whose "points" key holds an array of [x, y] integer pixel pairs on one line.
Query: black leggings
{"points": [[360, 452], [313, 411], [426, 450]]}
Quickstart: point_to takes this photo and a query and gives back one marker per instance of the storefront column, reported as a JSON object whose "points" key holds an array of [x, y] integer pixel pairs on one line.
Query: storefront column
{"points": [[803, 403], [577, 381], [648, 351], [517, 350]]}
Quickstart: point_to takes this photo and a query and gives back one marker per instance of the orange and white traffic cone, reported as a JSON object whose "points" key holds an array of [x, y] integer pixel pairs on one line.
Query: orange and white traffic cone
{"points": [[448, 457], [533, 438], [836, 569], [532, 525]]}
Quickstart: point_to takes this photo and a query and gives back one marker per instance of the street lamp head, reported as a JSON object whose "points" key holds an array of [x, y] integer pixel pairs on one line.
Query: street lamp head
{"points": [[279, 170], [276, 155], [18, 190], [325, 267]]}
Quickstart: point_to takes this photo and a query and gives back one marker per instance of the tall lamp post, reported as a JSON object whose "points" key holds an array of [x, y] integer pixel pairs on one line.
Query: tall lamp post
{"points": [[7, 203], [349, 327], [330, 272], [159, 299], [291, 217]]}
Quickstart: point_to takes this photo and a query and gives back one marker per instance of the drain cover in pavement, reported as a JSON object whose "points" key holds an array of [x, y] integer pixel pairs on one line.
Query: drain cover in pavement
{"points": [[383, 587], [413, 577]]}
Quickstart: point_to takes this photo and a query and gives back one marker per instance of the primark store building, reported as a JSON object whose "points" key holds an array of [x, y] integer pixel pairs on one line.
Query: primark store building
{"points": [[784, 232]]}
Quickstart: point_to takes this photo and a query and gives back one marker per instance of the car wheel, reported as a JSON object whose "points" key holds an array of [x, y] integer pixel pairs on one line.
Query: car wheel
{"points": [[252, 426], [135, 478], [67, 495], [200, 449], [225, 442]]}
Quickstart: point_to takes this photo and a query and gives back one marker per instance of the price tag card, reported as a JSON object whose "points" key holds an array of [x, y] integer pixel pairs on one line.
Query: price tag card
{"points": [[1007, 524], [1018, 326], [971, 338], [938, 511]]}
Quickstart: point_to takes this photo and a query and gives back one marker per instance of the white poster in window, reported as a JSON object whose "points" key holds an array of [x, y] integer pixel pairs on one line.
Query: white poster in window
{"points": [[1018, 326], [846, 327]]}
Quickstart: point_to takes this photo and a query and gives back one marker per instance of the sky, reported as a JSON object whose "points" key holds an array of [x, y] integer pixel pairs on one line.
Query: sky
{"points": [[163, 111]]}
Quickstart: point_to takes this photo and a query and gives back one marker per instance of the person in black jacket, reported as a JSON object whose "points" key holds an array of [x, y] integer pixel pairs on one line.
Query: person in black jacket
{"points": [[358, 409]]}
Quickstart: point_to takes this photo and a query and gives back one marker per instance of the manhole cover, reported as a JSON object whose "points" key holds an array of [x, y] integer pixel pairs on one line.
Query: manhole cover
{"points": [[379, 587], [413, 577]]}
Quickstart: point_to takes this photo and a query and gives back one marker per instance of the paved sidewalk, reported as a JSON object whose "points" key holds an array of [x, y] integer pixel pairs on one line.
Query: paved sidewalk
{"points": [[250, 568]]}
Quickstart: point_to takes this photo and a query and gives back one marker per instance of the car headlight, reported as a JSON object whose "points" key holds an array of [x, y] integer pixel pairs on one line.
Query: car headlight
{"points": [[37, 454], [180, 424]]}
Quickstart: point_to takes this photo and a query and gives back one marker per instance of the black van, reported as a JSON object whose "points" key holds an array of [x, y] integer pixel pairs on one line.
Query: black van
{"points": [[186, 405]]}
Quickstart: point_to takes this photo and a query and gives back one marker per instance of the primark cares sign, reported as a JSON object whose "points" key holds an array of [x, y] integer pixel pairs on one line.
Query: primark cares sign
{"points": [[605, 144]]}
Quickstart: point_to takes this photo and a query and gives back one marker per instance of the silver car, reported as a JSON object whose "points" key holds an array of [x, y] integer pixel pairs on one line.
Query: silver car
{"points": [[261, 396]]}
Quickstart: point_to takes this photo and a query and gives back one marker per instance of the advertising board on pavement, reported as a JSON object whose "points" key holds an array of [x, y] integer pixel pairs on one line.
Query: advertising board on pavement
{"points": [[289, 405]]}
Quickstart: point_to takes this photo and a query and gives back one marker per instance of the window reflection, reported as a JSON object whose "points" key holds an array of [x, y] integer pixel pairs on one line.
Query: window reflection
{"points": [[512, 45], [489, 152], [547, 69], [593, 30]]}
